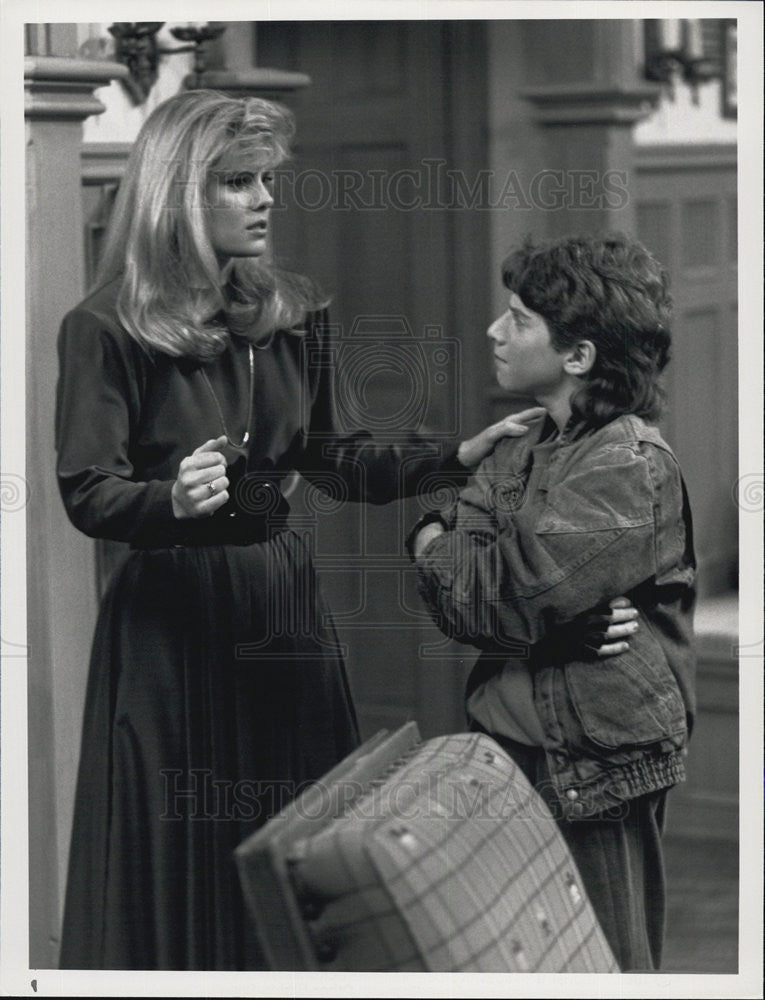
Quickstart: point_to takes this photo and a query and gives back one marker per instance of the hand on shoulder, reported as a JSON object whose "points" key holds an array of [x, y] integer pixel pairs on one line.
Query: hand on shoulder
{"points": [[472, 452]]}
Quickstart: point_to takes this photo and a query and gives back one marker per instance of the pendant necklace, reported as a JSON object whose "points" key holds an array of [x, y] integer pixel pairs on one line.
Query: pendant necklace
{"points": [[246, 437]]}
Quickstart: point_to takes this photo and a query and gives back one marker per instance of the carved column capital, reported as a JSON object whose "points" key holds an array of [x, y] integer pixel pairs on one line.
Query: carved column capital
{"points": [[259, 80], [591, 104], [61, 88]]}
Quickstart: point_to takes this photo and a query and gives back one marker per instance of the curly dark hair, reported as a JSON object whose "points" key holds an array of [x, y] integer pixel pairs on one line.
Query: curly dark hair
{"points": [[611, 291]]}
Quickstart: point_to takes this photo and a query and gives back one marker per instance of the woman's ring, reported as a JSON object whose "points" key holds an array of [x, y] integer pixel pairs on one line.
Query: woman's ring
{"points": [[211, 488]]}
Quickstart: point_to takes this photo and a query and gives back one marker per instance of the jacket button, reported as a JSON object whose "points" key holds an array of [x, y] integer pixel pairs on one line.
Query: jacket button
{"points": [[572, 794]]}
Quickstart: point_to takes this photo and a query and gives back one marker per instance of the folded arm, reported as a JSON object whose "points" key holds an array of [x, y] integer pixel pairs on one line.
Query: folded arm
{"points": [[563, 553]]}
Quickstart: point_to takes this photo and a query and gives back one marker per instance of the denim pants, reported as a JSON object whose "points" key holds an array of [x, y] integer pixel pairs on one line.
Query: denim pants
{"points": [[620, 862]]}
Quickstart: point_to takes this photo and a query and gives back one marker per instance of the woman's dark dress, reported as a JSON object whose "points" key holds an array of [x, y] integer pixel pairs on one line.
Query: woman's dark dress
{"points": [[216, 688]]}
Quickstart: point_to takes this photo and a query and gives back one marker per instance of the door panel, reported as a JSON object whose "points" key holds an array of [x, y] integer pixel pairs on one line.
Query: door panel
{"points": [[363, 217], [686, 215]]}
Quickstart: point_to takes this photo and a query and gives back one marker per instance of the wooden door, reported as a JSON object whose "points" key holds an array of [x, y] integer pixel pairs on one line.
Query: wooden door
{"points": [[369, 212], [687, 214]]}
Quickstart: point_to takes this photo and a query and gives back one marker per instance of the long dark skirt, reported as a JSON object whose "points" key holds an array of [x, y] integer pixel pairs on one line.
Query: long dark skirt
{"points": [[216, 691]]}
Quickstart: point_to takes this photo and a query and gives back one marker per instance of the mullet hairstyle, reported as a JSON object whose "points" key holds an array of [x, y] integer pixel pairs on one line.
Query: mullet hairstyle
{"points": [[612, 292], [173, 289]]}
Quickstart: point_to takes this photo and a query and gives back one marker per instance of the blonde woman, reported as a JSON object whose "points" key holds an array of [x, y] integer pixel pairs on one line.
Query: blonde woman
{"points": [[184, 403]]}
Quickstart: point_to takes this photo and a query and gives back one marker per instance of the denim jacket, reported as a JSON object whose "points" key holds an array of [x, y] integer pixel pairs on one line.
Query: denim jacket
{"points": [[544, 532]]}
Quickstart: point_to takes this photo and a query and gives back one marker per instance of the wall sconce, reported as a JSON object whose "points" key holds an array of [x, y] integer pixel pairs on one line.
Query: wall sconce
{"points": [[136, 46], [690, 50]]}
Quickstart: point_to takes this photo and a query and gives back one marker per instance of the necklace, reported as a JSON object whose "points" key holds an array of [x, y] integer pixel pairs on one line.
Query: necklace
{"points": [[266, 343], [246, 436]]}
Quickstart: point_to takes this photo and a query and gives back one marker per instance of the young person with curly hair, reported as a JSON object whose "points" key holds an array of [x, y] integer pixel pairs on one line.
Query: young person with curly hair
{"points": [[590, 504]]}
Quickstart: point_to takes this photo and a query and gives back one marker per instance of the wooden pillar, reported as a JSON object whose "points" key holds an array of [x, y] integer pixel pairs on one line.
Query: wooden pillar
{"points": [[60, 572], [586, 96]]}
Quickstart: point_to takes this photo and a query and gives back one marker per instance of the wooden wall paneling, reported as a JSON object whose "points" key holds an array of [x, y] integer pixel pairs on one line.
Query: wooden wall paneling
{"points": [[97, 211], [700, 223], [730, 471], [445, 664], [707, 804], [696, 190], [698, 397], [731, 229], [322, 236], [382, 101], [654, 222], [696, 187], [435, 266]]}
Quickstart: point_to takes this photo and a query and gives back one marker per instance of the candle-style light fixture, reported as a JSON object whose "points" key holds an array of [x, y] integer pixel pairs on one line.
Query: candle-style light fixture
{"points": [[690, 50], [136, 46], [198, 37]]}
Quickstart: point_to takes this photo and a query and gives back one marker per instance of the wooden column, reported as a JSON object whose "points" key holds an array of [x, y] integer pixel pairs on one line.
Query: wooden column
{"points": [[586, 95], [60, 572]]}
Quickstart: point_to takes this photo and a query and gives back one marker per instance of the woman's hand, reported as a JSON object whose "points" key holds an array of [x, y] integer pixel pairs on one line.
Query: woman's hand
{"points": [[473, 451], [201, 487], [607, 633]]}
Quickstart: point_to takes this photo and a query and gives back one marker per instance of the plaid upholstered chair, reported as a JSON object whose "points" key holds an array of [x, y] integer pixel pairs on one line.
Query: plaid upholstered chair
{"points": [[412, 856]]}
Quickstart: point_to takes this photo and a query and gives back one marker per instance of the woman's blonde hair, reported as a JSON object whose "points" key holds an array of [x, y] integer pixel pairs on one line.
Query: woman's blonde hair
{"points": [[172, 285]]}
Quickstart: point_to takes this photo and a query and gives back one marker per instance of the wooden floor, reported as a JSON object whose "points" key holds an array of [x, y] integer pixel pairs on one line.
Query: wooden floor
{"points": [[702, 917]]}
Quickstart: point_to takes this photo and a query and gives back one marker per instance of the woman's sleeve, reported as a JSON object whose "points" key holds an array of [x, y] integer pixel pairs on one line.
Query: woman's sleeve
{"points": [[354, 464], [97, 409]]}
